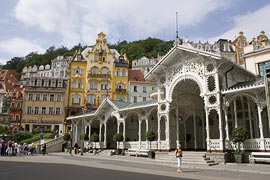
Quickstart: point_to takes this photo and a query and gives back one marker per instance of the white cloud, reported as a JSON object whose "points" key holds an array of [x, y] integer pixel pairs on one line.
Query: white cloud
{"points": [[80, 21], [3, 61], [251, 24], [19, 47]]}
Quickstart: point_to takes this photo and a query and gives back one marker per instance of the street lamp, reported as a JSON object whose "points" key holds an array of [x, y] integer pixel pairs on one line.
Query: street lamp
{"points": [[267, 74]]}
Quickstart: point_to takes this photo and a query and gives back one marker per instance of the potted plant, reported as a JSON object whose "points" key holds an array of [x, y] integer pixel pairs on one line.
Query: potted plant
{"points": [[118, 137], [150, 136], [95, 139], [238, 136]]}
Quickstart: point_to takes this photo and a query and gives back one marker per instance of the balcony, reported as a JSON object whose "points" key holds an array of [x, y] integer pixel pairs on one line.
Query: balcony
{"points": [[120, 90], [94, 76]]}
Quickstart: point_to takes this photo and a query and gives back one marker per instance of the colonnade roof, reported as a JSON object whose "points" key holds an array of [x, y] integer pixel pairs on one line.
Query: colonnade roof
{"points": [[117, 106]]}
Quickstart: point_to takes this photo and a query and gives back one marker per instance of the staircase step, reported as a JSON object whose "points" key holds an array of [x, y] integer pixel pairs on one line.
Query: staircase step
{"points": [[189, 157]]}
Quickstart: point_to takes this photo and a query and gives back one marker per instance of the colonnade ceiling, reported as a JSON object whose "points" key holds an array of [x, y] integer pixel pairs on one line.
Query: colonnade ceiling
{"points": [[186, 96]]}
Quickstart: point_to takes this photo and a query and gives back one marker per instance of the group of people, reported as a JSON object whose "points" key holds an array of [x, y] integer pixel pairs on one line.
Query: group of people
{"points": [[11, 148]]}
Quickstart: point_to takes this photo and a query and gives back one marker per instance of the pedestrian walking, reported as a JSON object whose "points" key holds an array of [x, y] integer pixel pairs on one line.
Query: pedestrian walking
{"points": [[43, 149], [179, 156]]}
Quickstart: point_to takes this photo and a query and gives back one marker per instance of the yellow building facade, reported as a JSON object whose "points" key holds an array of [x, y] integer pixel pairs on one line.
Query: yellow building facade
{"points": [[77, 84], [96, 73], [107, 73]]}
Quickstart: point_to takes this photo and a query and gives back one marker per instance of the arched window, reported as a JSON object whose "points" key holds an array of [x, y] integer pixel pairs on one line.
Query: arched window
{"points": [[118, 72], [78, 70], [80, 85], [74, 84], [104, 72], [124, 73], [94, 71], [120, 85], [76, 99], [91, 100], [93, 85]]}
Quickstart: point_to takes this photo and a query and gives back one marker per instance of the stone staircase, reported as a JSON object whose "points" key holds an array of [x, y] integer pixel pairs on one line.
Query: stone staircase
{"points": [[189, 157]]}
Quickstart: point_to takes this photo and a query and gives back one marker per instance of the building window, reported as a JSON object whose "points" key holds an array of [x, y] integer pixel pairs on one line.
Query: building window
{"points": [[135, 99], [43, 110], [76, 99], [92, 100], [120, 98], [124, 73], [29, 110], [74, 84], [135, 89], [36, 110], [263, 66], [118, 72], [104, 85], [77, 70], [120, 86], [93, 85], [104, 72], [45, 97], [37, 97], [59, 98], [242, 44], [30, 97], [50, 110], [94, 71], [51, 97], [80, 85], [17, 117], [57, 111], [144, 89], [144, 98]]}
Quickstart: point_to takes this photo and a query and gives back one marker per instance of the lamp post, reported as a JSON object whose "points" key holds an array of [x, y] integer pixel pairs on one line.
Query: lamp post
{"points": [[267, 74]]}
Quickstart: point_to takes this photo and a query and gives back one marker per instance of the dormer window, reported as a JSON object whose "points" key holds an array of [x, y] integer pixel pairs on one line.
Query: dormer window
{"points": [[79, 57]]}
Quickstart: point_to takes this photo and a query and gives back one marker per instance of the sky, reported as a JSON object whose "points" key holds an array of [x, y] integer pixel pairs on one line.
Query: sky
{"points": [[35, 25]]}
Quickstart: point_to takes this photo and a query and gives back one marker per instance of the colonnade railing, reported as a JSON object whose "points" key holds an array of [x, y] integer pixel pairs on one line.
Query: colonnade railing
{"points": [[249, 145]]}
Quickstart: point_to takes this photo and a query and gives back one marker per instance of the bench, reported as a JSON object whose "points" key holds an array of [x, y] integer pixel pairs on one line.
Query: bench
{"points": [[138, 152], [263, 157]]}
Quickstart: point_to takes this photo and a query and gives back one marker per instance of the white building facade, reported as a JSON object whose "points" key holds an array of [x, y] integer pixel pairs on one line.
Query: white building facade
{"points": [[201, 98]]}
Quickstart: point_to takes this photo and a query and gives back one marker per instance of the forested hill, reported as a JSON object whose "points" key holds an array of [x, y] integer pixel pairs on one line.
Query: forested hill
{"points": [[150, 48]]}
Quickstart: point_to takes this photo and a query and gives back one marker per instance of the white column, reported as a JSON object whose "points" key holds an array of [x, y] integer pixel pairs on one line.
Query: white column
{"points": [[100, 129], [250, 121], [124, 130], [76, 132], [235, 114], [105, 135], [220, 129], [177, 126], [89, 132], [146, 123], [194, 131], [158, 132], [167, 131], [118, 126], [207, 130], [140, 130], [226, 124], [260, 120]]}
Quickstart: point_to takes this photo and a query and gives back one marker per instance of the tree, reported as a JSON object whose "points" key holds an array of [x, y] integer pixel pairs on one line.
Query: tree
{"points": [[118, 137], [94, 138], [21, 136], [150, 136], [239, 135], [3, 131]]}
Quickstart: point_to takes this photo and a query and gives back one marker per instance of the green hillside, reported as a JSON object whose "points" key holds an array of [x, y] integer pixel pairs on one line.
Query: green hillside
{"points": [[149, 47]]}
